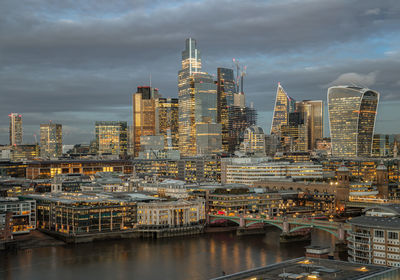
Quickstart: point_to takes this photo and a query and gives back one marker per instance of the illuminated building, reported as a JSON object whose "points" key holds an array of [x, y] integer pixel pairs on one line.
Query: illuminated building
{"points": [[352, 113], [383, 145], [112, 138], [240, 118], [171, 213], [226, 91], [294, 133], [144, 115], [23, 213], [23, 152], [242, 201], [197, 99], [51, 140], [208, 138], [313, 113], [74, 214], [247, 171], [254, 141], [15, 129], [50, 168], [167, 121], [284, 105], [374, 238]]}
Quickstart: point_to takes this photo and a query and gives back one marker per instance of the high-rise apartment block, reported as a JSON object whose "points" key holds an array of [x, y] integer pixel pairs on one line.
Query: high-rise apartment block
{"points": [[197, 99], [352, 113], [284, 105], [15, 129], [112, 137], [50, 140]]}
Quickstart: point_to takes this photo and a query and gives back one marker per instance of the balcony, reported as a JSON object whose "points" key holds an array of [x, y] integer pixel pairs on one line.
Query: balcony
{"points": [[360, 234], [359, 248], [358, 255]]}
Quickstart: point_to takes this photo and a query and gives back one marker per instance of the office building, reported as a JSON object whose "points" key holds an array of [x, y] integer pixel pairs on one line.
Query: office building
{"points": [[171, 213], [284, 105], [197, 99], [254, 141], [167, 121], [226, 91], [313, 114], [23, 217], [294, 134], [383, 145], [240, 118], [144, 115], [50, 140], [15, 129], [112, 137], [352, 113], [208, 138]]}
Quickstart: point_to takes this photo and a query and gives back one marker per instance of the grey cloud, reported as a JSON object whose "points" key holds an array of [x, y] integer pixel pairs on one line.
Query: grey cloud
{"points": [[79, 63]]}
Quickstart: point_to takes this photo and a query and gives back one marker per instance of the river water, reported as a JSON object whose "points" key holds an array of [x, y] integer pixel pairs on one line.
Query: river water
{"points": [[192, 257]]}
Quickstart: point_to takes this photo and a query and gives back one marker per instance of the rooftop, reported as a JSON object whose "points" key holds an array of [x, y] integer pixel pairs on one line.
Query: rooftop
{"points": [[376, 222], [310, 268]]}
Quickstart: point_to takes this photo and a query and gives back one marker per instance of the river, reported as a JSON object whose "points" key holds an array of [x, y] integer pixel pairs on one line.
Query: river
{"points": [[192, 257]]}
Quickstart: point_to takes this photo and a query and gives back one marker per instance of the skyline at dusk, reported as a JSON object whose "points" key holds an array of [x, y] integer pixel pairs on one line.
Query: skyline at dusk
{"points": [[76, 66]]}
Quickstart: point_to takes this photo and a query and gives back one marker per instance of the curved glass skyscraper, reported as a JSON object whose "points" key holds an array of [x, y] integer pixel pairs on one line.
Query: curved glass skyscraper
{"points": [[352, 114]]}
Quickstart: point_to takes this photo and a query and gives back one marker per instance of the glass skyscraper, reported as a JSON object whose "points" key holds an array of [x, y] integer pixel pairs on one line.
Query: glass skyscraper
{"points": [[313, 112], [112, 137], [352, 114], [284, 105], [197, 99], [225, 91]]}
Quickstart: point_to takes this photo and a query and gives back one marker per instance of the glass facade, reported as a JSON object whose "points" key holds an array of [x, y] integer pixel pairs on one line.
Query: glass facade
{"points": [[167, 124], [284, 105], [112, 137], [225, 91], [352, 113], [197, 99], [313, 111], [144, 115], [50, 140]]}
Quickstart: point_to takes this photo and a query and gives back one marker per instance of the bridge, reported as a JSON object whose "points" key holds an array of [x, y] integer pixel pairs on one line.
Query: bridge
{"points": [[286, 224]]}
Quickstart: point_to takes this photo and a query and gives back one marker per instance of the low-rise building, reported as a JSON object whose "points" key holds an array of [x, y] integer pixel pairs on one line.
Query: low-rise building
{"points": [[23, 218], [171, 213]]}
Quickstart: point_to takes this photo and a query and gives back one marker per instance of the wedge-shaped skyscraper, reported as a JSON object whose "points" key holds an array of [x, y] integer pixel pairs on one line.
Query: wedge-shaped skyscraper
{"points": [[352, 114], [284, 105]]}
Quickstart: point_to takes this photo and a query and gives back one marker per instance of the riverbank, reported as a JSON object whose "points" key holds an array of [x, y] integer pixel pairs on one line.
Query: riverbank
{"points": [[34, 239]]}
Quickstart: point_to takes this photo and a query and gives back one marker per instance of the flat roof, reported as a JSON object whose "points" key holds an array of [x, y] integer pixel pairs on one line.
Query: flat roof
{"points": [[376, 222], [311, 268]]}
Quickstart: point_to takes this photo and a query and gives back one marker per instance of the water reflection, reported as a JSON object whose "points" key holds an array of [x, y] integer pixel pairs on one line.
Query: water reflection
{"points": [[195, 257]]}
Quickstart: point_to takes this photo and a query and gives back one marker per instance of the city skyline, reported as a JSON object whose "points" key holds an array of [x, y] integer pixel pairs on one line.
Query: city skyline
{"points": [[69, 75]]}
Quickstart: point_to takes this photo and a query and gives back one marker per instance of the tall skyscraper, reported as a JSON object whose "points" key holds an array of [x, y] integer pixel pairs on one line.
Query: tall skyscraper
{"points": [[226, 90], [112, 137], [352, 114], [313, 113], [197, 99], [50, 140], [240, 118], [144, 116], [167, 121], [284, 105], [15, 129], [294, 134]]}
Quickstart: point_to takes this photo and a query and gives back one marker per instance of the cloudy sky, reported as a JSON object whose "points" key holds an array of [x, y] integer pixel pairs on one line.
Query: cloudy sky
{"points": [[76, 62]]}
